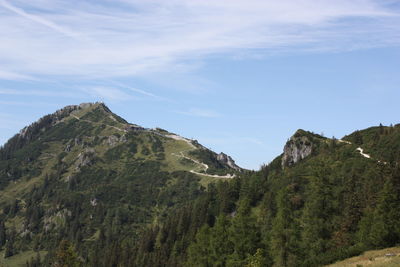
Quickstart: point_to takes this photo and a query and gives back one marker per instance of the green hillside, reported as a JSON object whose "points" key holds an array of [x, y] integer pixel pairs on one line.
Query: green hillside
{"points": [[85, 175], [321, 201], [86, 188]]}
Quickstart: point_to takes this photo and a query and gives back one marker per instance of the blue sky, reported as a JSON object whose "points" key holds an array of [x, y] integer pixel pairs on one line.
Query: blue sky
{"points": [[239, 76]]}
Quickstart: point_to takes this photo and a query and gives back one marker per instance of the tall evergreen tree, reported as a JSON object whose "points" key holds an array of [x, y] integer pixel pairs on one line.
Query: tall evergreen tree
{"points": [[385, 230], [318, 210], [285, 233], [2, 234], [244, 234], [9, 250], [200, 249], [220, 243]]}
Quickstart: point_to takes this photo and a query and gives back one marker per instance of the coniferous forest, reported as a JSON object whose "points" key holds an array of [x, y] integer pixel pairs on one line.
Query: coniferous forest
{"points": [[79, 188]]}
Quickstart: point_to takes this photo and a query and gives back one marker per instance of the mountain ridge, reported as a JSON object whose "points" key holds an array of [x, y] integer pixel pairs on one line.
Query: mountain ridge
{"points": [[113, 193]]}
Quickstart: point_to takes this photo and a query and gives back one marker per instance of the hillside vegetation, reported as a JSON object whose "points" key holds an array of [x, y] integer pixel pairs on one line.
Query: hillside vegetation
{"points": [[89, 189], [85, 176]]}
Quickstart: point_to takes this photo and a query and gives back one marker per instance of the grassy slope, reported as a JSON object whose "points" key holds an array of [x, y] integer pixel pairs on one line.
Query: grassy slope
{"points": [[388, 257], [172, 147], [19, 259]]}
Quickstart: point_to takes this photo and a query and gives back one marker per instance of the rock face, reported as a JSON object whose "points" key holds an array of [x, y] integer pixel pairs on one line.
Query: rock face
{"points": [[227, 160], [296, 149], [84, 158], [113, 140]]}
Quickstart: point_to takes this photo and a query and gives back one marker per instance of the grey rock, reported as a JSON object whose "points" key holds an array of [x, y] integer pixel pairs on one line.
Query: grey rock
{"points": [[68, 148], [84, 158], [296, 149], [227, 160], [112, 140], [122, 139]]}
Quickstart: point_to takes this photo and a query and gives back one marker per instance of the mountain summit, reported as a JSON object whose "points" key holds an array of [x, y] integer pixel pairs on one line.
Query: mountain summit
{"points": [[94, 127]]}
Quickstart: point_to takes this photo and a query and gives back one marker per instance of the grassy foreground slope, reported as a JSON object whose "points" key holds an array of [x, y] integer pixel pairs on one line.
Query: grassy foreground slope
{"points": [[388, 257]]}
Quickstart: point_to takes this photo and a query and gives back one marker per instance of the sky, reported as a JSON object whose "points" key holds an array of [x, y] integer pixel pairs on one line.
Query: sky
{"points": [[239, 76]]}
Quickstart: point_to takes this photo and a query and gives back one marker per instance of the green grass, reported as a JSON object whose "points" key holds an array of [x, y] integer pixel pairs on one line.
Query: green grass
{"points": [[19, 259], [372, 258], [172, 160]]}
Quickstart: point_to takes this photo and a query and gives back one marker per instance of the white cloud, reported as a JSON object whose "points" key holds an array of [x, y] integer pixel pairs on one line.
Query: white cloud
{"points": [[122, 38], [9, 75]]}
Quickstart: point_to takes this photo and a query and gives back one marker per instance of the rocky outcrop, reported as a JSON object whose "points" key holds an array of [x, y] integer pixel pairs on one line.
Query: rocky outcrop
{"points": [[297, 148], [114, 140], [228, 161], [134, 127], [84, 158]]}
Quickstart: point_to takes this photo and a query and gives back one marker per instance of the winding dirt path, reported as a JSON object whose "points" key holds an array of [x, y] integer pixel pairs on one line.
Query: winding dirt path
{"points": [[181, 154], [203, 165], [361, 151]]}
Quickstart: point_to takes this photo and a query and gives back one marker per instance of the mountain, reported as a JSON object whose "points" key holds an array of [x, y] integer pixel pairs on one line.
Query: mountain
{"points": [[82, 169], [321, 200], [83, 187]]}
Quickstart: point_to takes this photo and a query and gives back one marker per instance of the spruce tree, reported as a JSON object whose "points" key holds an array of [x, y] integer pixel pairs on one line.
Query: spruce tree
{"points": [[2, 234], [285, 234], [221, 245], [9, 251], [199, 250], [385, 230], [245, 235]]}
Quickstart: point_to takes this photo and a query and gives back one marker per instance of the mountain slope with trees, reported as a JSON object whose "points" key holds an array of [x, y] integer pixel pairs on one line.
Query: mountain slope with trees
{"points": [[333, 204], [85, 188], [85, 176]]}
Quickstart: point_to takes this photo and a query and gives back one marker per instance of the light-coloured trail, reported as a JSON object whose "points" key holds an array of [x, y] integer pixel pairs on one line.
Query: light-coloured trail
{"points": [[181, 154], [203, 165], [361, 151]]}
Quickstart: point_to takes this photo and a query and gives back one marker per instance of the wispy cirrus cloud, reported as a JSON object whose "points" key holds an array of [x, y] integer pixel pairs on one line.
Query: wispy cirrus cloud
{"points": [[86, 39], [38, 19], [9, 75]]}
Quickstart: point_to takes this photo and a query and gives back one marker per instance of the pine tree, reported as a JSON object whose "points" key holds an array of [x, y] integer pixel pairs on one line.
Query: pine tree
{"points": [[221, 245], [358, 139], [316, 223], [385, 230], [66, 255], [9, 251], [244, 234], [2, 234], [199, 251], [285, 233]]}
